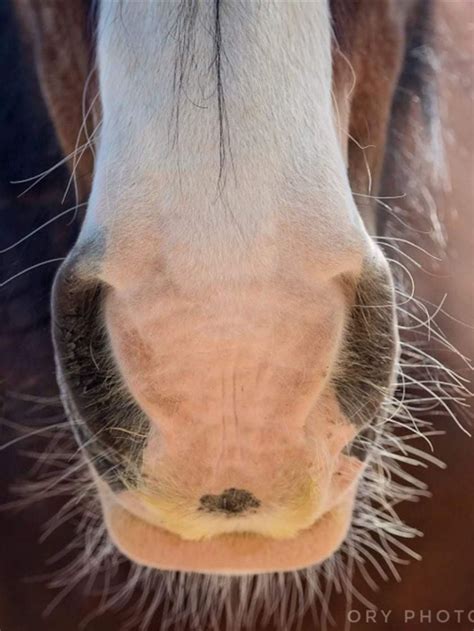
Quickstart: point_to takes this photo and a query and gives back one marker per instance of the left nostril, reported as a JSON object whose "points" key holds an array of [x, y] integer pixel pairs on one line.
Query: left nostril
{"points": [[230, 502], [103, 417]]}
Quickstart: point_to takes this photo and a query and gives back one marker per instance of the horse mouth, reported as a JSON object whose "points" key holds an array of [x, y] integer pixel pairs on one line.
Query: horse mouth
{"points": [[236, 553]]}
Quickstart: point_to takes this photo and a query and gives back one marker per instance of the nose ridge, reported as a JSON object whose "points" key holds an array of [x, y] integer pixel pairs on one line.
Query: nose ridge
{"points": [[230, 502]]}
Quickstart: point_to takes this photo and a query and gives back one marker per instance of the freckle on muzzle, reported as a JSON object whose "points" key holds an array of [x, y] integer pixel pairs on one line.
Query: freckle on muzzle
{"points": [[230, 502]]}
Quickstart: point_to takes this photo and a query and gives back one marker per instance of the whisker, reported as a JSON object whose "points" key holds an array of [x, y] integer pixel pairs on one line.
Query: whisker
{"points": [[43, 225], [30, 269]]}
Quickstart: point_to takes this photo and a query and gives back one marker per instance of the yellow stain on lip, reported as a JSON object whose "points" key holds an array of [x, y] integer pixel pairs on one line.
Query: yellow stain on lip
{"points": [[183, 518]]}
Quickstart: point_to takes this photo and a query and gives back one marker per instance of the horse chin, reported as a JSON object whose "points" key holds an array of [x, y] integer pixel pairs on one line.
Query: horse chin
{"points": [[236, 554]]}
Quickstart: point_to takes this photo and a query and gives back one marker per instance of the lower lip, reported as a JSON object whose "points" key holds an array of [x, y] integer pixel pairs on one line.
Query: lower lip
{"points": [[231, 554]]}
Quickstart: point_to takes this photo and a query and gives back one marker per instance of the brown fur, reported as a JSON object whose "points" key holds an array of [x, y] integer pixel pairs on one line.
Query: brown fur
{"points": [[367, 58], [58, 35]]}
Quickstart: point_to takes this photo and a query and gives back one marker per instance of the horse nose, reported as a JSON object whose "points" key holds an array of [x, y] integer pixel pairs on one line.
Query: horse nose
{"points": [[230, 502]]}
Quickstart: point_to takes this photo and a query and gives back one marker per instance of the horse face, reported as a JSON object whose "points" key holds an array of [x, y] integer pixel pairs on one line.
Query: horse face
{"points": [[224, 327]]}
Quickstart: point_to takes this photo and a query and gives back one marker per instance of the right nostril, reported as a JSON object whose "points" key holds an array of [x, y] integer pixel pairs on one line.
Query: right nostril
{"points": [[230, 502]]}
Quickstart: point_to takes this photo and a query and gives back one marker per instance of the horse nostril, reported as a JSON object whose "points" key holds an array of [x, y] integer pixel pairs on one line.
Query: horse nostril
{"points": [[103, 417], [230, 502]]}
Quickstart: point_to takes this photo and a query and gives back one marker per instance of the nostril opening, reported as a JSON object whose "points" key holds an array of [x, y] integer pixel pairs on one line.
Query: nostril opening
{"points": [[230, 502], [102, 414]]}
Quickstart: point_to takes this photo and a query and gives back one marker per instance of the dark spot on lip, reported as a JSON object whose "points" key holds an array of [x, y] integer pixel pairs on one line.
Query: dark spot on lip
{"points": [[231, 502]]}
